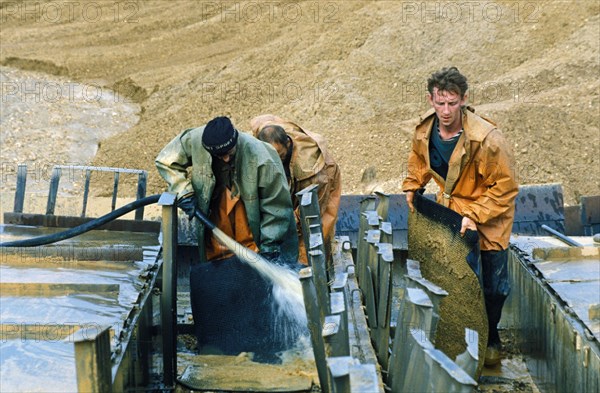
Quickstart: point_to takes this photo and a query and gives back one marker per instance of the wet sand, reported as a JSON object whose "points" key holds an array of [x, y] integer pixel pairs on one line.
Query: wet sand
{"points": [[48, 120]]}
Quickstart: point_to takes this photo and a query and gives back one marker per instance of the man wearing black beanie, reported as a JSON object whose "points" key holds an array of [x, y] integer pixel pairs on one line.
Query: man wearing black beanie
{"points": [[224, 161], [219, 136], [240, 184]]}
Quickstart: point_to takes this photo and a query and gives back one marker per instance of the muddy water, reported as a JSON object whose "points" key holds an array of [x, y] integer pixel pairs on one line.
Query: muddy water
{"points": [[35, 346], [47, 120], [39, 312], [46, 367]]}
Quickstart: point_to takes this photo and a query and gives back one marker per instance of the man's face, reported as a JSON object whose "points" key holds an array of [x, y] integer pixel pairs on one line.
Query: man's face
{"points": [[226, 157], [447, 106], [282, 150]]}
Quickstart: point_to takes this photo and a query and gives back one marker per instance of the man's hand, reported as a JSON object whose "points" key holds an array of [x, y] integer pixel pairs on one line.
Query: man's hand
{"points": [[467, 223], [188, 205], [410, 195]]}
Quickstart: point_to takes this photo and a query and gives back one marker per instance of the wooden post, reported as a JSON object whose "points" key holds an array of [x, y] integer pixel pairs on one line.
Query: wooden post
{"points": [[53, 191], [86, 191], [115, 191], [92, 360], [168, 300], [141, 193], [20, 191], [315, 325]]}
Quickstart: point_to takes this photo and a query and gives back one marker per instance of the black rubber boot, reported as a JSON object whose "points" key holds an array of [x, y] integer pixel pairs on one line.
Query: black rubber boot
{"points": [[496, 287], [493, 306]]}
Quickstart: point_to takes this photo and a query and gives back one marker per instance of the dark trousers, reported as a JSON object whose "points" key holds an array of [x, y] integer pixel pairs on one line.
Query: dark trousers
{"points": [[496, 287]]}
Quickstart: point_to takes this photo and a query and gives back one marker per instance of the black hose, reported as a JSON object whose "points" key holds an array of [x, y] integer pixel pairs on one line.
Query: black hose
{"points": [[88, 226], [198, 214]]}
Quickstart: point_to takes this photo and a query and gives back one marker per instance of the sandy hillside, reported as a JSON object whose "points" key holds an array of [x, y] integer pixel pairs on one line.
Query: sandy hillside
{"points": [[354, 71]]}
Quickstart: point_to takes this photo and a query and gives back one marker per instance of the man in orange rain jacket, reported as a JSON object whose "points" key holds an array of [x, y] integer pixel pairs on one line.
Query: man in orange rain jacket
{"points": [[306, 161], [469, 159]]}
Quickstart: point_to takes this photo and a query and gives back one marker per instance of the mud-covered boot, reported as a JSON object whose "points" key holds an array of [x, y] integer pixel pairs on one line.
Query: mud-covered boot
{"points": [[492, 356]]}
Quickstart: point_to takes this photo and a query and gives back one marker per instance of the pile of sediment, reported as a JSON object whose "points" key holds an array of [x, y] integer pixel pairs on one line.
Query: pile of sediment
{"points": [[354, 71]]}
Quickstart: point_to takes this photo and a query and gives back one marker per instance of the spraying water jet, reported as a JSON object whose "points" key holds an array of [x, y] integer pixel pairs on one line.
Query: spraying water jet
{"points": [[287, 288]]}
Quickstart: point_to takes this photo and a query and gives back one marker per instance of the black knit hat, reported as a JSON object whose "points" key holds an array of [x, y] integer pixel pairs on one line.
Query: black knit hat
{"points": [[219, 136]]}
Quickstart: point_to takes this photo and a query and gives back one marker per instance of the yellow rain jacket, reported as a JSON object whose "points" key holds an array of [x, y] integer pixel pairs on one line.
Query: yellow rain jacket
{"points": [[480, 183], [310, 164]]}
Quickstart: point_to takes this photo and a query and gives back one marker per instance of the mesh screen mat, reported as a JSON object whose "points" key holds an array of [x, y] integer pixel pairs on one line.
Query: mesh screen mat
{"points": [[451, 262], [239, 374], [234, 311]]}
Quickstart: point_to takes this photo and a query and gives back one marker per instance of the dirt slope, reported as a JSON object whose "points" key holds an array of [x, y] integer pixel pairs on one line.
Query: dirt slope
{"points": [[354, 71]]}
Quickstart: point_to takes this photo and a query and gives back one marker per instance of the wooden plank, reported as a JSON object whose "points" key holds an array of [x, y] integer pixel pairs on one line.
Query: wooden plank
{"points": [[72, 221], [58, 289], [38, 331]]}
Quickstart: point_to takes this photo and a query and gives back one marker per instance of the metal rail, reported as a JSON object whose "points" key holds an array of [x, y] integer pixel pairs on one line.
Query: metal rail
{"points": [[561, 237], [57, 172], [327, 311]]}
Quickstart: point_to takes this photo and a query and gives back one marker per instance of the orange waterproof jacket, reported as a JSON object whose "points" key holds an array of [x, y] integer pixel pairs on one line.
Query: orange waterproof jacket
{"points": [[310, 164], [480, 183]]}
